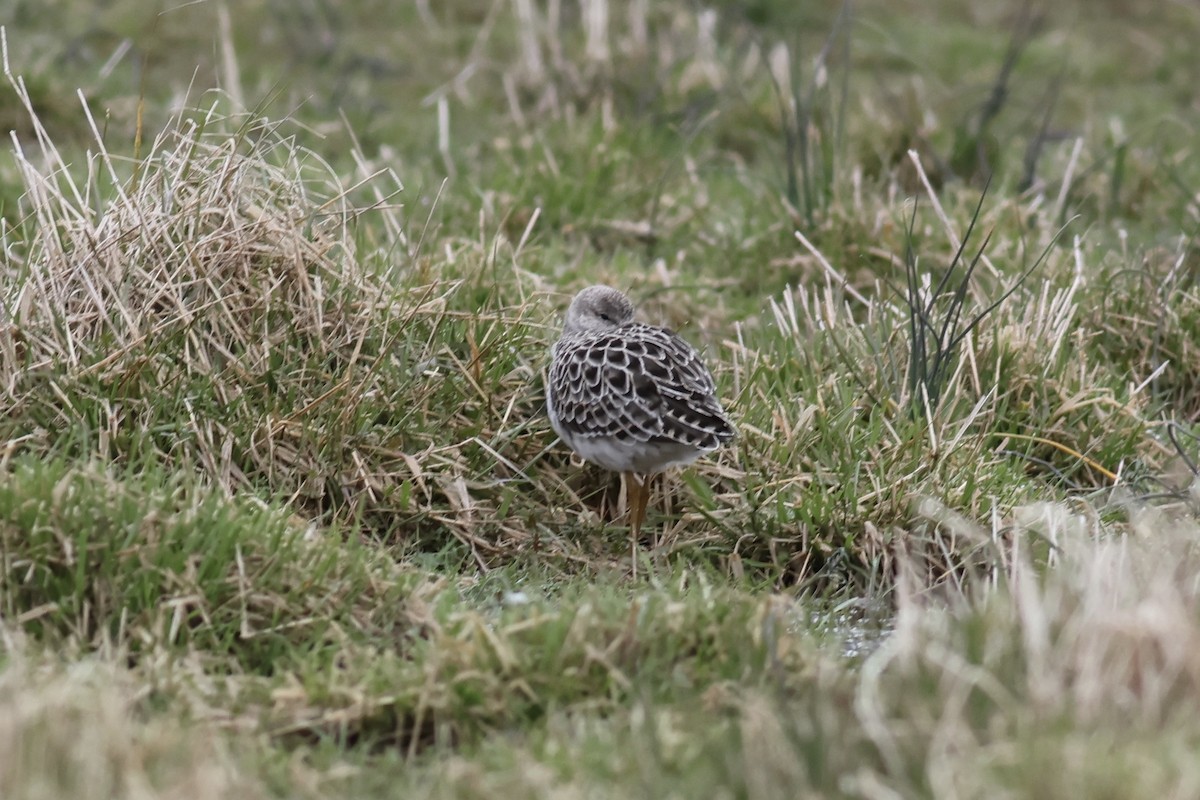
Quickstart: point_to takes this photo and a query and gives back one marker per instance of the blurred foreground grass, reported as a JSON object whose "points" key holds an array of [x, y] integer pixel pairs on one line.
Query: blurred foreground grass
{"points": [[280, 514]]}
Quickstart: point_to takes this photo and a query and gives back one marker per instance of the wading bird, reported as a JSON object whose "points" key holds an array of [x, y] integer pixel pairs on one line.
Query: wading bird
{"points": [[632, 398]]}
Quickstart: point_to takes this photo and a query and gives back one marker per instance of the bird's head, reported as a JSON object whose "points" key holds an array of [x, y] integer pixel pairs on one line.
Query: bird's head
{"points": [[598, 308]]}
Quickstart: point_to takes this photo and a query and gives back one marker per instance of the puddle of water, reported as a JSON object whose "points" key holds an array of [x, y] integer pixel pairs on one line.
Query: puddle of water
{"points": [[857, 627]]}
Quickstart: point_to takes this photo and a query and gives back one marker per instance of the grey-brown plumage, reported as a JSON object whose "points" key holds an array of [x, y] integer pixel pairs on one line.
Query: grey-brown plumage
{"points": [[630, 397]]}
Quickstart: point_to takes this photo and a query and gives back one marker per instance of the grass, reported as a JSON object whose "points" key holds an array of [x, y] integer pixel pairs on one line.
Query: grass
{"points": [[280, 511]]}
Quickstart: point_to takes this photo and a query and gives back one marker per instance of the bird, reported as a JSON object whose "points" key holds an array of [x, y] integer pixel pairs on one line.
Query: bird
{"points": [[630, 397]]}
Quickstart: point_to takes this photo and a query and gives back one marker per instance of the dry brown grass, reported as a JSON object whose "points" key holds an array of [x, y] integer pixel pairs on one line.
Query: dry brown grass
{"points": [[81, 730]]}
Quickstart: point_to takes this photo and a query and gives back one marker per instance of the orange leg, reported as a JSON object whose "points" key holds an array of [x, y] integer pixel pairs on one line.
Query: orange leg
{"points": [[643, 500]]}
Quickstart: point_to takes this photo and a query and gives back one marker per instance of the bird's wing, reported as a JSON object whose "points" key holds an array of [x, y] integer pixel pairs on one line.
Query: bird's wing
{"points": [[639, 383]]}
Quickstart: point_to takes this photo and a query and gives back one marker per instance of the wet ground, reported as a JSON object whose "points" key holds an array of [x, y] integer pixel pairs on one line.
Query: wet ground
{"points": [[857, 627]]}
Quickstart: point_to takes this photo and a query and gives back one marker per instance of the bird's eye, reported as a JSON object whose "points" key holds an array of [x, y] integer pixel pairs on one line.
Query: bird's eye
{"points": [[605, 317]]}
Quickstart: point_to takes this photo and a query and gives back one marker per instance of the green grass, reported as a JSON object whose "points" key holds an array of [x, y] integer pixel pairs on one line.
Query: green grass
{"points": [[280, 511]]}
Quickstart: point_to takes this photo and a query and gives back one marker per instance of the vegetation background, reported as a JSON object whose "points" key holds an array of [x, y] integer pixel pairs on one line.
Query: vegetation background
{"points": [[281, 515]]}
